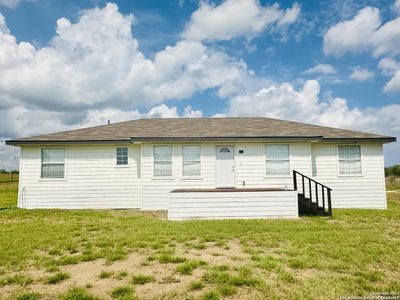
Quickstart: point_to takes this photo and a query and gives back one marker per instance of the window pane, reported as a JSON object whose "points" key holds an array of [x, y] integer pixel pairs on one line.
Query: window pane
{"points": [[349, 159], [162, 168], [122, 156], [53, 155], [52, 170], [277, 167], [277, 159], [52, 163], [191, 168], [191, 153], [277, 152], [162, 153]]}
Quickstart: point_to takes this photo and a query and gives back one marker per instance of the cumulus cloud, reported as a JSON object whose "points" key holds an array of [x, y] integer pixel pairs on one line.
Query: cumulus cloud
{"points": [[305, 105], [96, 63], [233, 18], [321, 69], [366, 33], [361, 74]]}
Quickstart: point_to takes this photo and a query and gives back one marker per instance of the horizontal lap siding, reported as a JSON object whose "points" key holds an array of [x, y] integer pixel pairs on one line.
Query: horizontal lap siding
{"points": [[365, 191], [235, 205], [156, 190], [249, 167], [92, 180]]}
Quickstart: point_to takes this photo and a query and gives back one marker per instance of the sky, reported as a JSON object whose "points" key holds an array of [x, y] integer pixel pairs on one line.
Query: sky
{"points": [[73, 64]]}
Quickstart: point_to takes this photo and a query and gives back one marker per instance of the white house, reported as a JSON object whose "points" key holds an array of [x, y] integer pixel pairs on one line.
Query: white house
{"points": [[204, 168]]}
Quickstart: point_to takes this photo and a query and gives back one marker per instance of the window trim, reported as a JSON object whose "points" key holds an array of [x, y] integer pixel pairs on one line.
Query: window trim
{"points": [[268, 176], [129, 161], [361, 174], [200, 161], [65, 165], [163, 177]]}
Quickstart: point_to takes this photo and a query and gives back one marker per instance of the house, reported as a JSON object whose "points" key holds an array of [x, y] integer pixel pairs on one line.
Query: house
{"points": [[204, 168]]}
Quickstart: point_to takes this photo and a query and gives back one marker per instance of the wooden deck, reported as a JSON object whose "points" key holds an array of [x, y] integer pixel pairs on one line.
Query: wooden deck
{"points": [[224, 190]]}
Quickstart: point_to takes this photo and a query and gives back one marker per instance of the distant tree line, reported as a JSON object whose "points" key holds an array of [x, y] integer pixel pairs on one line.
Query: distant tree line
{"points": [[392, 171], [4, 171]]}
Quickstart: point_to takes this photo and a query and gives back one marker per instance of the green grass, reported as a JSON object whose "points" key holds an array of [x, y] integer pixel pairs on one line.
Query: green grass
{"points": [[8, 194], [123, 293], [77, 294], [188, 266], [354, 253], [57, 277], [142, 279]]}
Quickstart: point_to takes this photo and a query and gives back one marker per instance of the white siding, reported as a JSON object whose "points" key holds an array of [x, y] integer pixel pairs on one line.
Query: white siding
{"points": [[233, 205], [92, 180], [366, 190], [249, 170]]}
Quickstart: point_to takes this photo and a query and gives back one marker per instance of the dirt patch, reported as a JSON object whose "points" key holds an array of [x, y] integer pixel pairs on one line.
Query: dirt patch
{"points": [[167, 283]]}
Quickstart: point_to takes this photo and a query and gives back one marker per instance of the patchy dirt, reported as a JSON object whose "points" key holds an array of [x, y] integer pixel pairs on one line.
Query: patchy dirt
{"points": [[168, 284]]}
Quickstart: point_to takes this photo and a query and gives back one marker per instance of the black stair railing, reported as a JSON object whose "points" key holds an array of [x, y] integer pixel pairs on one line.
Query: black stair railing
{"points": [[313, 193]]}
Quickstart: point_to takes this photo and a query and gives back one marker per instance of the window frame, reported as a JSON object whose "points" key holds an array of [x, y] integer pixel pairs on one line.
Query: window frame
{"points": [[199, 161], [41, 178], [172, 162], [116, 158], [289, 161], [338, 162]]}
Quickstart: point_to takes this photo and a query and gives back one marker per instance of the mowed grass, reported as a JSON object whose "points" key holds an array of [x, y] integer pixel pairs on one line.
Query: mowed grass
{"points": [[355, 253], [8, 194]]}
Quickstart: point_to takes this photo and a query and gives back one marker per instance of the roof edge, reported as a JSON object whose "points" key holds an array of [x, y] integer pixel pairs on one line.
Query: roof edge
{"points": [[58, 142], [388, 139]]}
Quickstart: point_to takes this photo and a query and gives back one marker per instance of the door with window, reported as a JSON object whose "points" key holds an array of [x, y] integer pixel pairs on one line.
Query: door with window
{"points": [[225, 167]]}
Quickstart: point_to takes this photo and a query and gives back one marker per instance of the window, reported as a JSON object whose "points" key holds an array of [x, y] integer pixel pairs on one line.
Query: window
{"points": [[191, 160], [349, 159], [162, 161], [277, 159], [53, 163], [122, 156]]}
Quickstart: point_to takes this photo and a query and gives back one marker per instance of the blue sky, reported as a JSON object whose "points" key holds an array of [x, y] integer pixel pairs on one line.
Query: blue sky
{"points": [[69, 64]]}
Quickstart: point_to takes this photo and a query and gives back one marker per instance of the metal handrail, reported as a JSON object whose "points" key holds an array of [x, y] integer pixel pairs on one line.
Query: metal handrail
{"points": [[316, 184]]}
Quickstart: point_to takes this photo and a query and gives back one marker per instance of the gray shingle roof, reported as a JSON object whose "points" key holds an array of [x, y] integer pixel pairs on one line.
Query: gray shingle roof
{"points": [[200, 129]]}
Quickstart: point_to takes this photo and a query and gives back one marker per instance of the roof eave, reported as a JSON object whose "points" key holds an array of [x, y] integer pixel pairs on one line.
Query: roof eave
{"points": [[65, 142], [384, 140]]}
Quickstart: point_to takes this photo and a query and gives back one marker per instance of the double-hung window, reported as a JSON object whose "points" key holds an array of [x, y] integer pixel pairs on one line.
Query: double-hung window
{"points": [[191, 160], [122, 156], [53, 163], [162, 161], [349, 159], [277, 159]]}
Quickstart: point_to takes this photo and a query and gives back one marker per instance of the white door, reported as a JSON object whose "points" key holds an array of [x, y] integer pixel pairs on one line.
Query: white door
{"points": [[225, 166]]}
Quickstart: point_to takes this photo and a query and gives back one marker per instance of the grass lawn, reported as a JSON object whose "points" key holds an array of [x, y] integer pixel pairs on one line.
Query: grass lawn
{"points": [[8, 194], [392, 183], [126, 254]]}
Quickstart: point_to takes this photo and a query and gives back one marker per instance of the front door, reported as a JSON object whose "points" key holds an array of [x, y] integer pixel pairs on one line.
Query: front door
{"points": [[225, 166]]}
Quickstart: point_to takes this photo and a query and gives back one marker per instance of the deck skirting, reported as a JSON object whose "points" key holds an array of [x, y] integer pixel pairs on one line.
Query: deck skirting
{"points": [[188, 205]]}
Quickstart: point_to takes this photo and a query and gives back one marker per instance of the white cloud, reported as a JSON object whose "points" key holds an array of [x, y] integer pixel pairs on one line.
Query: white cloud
{"points": [[321, 68], [388, 66], [353, 35], [396, 6], [361, 74], [96, 63], [366, 33], [9, 3], [393, 85], [304, 105], [233, 18]]}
